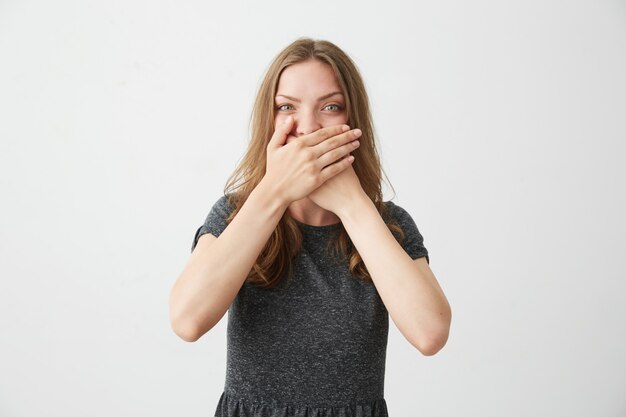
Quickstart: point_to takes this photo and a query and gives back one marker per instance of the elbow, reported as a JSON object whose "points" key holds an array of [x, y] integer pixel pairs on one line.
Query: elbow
{"points": [[188, 336], [189, 324], [431, 346], [180, 321], [184, 330], [189, 329], [434, 341], [182, 326]]}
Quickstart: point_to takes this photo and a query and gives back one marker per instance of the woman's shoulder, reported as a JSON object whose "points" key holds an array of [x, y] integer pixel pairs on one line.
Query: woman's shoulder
{"points": [[225, 203], [394, 211]]}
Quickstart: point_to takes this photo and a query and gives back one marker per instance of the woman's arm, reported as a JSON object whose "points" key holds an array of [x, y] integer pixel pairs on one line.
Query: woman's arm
{"points": [[218, 267], [408, 287]]}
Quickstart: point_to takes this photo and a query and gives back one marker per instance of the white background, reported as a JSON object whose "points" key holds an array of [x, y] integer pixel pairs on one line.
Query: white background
{"points": [[502, 128]]}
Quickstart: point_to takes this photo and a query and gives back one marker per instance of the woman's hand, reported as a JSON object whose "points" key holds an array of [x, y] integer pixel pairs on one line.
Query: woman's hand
{"points": [[297, 168], [340, 190]]}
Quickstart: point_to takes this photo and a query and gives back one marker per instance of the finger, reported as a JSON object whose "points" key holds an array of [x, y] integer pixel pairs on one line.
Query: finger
{"points": [[334, 154], [281, 133], [334, 169], [322, 134], [337, 142]]}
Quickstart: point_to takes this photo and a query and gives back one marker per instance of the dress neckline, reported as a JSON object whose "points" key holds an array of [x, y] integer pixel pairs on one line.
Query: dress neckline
{"points": [[313, 228]]}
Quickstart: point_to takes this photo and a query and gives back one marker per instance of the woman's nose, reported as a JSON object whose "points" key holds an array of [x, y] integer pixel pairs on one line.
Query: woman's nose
{"points": [[306, 123]]}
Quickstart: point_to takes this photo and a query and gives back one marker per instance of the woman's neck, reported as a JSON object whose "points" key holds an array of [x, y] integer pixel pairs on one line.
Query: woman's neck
{"points": [[307, 212]]}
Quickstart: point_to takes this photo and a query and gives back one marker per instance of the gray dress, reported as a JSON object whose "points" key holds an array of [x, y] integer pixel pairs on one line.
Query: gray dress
{"points": [[314, 346]]}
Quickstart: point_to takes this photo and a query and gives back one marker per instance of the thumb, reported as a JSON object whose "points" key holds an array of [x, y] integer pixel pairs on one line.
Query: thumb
{"points": [[281, 133]]}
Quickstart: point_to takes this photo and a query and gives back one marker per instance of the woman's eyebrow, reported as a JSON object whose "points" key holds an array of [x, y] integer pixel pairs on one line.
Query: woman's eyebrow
{"points": [[319, 99]]}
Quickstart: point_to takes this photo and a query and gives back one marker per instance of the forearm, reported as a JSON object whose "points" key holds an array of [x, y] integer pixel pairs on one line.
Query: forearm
{"points": [[215, 273], [408, 288]]}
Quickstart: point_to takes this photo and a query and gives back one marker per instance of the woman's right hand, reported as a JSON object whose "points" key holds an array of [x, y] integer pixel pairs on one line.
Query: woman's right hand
{"points": [[297, 168]]}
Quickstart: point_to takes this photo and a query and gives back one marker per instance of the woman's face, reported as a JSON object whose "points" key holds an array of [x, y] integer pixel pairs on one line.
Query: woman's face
{"points": [[305, 91]]}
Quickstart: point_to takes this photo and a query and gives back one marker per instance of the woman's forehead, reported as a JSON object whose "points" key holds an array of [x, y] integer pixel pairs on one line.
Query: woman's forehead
{"points": [[309, 76]]}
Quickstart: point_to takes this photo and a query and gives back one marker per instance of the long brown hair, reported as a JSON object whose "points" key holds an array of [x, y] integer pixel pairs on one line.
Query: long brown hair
{"points": [[275, 258]]}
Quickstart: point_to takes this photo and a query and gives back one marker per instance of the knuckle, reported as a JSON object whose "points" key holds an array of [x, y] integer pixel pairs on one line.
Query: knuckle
{"points": [[313, 181], [321, 135], [310, 169], [333, 142], [329, 132], [308, 154]]}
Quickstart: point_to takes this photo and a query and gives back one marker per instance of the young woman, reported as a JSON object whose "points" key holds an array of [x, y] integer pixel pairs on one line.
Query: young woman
{"points": [[305, 256]]}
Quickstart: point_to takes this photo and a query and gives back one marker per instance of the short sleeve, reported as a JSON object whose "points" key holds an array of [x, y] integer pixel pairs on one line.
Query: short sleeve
{"points": [[413, 242], [215, 221]]}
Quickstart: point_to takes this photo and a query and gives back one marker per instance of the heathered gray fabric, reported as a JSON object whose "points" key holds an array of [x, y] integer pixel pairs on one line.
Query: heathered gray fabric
{"points": [[311, 347]]}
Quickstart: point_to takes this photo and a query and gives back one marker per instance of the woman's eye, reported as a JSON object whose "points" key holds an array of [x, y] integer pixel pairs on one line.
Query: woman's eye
{"points": [[335, 105]]}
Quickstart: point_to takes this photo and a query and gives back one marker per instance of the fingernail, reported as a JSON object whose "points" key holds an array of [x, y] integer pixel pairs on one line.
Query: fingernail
{"points": [[288, 119], [345, 128]]}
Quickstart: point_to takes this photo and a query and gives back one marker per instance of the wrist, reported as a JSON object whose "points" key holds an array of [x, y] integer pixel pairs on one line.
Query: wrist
{"points": [[271, 195], [353, 206]]}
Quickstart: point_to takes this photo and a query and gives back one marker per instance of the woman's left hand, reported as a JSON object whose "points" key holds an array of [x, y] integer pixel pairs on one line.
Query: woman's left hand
{"points": [[337, 192]]}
